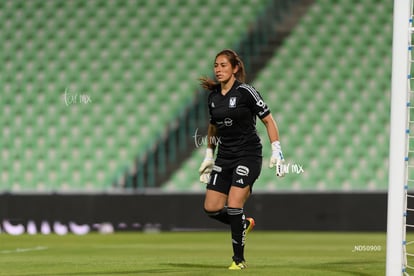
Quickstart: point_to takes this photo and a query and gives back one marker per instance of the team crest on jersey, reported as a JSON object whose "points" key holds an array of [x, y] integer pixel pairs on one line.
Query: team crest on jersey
{"points": [[232, 102], [213, 105]]}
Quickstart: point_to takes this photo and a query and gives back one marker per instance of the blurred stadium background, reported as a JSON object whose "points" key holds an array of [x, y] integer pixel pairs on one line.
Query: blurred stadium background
{"points": [[102, 96]]}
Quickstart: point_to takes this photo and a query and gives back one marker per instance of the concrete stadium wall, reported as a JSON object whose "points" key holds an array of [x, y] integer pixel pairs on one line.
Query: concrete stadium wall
{"points": [[82, 213]]}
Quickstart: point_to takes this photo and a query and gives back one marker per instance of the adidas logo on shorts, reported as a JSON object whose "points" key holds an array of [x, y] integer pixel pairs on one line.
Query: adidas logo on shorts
{"points": [[240, 181]]}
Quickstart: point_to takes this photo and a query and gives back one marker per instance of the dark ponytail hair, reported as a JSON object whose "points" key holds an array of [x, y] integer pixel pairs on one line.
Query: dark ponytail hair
{"points": [[234, 59]]}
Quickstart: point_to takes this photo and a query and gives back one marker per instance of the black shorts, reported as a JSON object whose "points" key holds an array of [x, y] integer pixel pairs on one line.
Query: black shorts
{"points": [[240, 172]]}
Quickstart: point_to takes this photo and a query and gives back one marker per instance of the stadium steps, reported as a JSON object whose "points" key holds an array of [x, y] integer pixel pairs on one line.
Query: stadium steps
{"points": [[137, 61], [328, 87]]}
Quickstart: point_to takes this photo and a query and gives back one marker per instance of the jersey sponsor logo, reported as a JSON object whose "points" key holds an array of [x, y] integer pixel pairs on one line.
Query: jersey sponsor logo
{"points": [[260, 103], [242, 170], [228, 122], [232, 102]]}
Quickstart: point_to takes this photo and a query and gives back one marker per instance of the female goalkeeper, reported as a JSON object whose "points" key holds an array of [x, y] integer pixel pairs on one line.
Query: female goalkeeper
{"points": [[233, 107]]}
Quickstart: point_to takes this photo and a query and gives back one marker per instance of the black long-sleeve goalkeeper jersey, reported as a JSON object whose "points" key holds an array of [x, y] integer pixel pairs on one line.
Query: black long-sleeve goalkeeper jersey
{"points": [[234, 116]]}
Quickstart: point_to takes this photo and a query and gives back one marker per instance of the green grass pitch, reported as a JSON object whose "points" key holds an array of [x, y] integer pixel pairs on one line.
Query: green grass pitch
{"points": [[193, 253]]}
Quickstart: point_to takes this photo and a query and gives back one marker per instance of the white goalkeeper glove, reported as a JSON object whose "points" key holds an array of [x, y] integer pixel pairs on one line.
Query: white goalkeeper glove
{"points": [[206, 166], [277, 159]]}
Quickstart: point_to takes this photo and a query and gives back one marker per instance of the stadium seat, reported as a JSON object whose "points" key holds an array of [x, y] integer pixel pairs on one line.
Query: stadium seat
{"points": [[131, 62], [329, 91], [134, 61]]}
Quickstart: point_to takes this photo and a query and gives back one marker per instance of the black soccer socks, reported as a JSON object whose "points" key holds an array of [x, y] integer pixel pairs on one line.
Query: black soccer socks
{"points": [[220, 215], [238, 232]]}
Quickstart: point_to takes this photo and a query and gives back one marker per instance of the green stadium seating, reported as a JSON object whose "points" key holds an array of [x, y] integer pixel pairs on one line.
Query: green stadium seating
{"points": [[137, 61], [328, 87]]}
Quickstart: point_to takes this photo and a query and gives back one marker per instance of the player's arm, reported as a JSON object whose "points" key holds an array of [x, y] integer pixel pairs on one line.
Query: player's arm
{"points": [[271, 127], [207, 165], [211, 136], [276, 160], [259, 107]]}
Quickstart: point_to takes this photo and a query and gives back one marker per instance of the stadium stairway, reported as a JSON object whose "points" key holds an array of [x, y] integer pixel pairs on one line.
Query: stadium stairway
{"points": [[328, 86], [87, 85]]}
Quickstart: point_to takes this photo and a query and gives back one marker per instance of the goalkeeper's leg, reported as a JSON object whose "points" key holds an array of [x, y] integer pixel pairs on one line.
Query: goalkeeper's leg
{"points": [[214, 206], [220, 215], [238, 233], [239, 225]]}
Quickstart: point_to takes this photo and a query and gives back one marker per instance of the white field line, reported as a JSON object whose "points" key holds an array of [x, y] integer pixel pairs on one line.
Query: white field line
{"points": [[23, 250]]}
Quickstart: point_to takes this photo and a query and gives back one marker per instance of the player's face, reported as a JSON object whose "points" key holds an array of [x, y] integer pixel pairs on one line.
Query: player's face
{"points": [[223, 69]]}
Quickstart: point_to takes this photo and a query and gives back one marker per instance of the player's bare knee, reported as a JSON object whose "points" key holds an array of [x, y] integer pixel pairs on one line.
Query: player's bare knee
{"points": [[211, 208], [210, 212], [236, 202]]}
